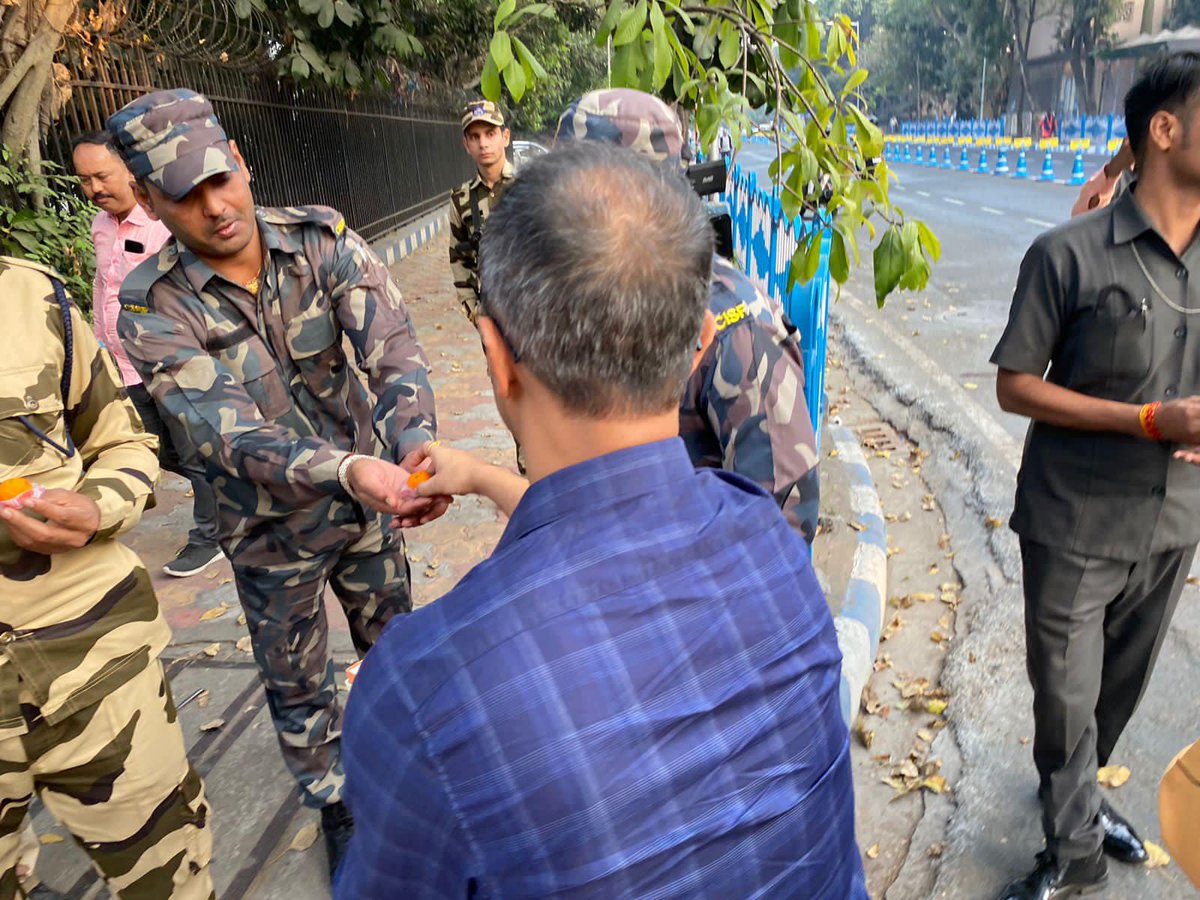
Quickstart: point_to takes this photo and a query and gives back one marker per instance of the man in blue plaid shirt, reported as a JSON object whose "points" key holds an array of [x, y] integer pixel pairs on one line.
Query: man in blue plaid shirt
{"points": [[636, 695]]}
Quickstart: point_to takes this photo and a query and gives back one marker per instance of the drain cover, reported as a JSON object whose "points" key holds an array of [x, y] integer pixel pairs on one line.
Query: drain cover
{"points": [[877, 436]]}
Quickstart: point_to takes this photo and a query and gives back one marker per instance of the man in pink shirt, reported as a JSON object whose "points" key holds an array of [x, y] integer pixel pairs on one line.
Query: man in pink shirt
{"points": [[124, 236]]}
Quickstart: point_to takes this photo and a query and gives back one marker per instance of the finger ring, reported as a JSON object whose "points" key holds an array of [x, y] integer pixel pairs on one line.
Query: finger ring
{"points": [[433, 444]]}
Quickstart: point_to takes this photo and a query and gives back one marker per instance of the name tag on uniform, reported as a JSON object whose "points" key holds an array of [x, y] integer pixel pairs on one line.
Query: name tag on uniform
{"points": [[134, 308], [731, 316]]}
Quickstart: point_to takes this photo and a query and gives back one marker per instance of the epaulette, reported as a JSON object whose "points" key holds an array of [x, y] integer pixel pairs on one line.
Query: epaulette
{"points": [[17, 262], [733, 298], [134, 295], [324, 216]]}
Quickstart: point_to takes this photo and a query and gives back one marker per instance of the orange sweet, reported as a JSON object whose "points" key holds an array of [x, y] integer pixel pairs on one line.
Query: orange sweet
{"points": [[416, 478], [14, 487]]}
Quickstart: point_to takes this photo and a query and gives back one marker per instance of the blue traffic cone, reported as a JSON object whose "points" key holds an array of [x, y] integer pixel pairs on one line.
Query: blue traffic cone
{"points": [[1047, 167], [1001, 162], [947, 163], [907, 152], [1022, 165], [932, 161], [964, 164], [1077, 176], [920, 160], [982, 168]]}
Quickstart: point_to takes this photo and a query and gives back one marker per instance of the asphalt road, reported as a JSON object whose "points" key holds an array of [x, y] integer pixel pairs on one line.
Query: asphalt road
{"points": [[928, 355]]}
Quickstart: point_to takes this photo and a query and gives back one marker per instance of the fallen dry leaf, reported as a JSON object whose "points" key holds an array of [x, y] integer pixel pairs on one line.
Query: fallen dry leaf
{"points": [[1113, 776], [1023, 741], [1158, 856], [892, 628], [892, 551], [883, 662], [214, 725], [935, 851], [970, 385], [936, 707], [865, 735], [242, 619], [994, 522], [944, 542], [215, 613], [305, 838], [1192, 579], [873, 851], [971, 657], [934, 569], [925, 735], [944, 621], [935, 783], [50, 838], [834, 452], [202, 700], [937, 637], [243, 644], [212, 650]]}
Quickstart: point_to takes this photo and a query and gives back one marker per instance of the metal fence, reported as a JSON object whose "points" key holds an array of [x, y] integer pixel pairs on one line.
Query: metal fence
{"points": [[379, 159], [763, 243]]}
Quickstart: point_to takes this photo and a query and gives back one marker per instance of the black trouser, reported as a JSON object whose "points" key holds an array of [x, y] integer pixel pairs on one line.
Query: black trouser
{"points": [[204, 501], [1093, 629]]}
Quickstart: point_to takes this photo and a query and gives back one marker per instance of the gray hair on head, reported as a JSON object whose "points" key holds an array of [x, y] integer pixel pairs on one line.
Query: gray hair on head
{"points": [[595, 267]]}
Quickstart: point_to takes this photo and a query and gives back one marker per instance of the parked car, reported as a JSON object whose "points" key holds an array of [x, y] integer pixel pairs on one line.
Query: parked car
{"points": [[523, 151]]}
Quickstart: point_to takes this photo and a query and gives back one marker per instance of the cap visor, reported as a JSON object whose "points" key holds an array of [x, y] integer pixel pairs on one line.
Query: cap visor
{"points": [[176, 179]]}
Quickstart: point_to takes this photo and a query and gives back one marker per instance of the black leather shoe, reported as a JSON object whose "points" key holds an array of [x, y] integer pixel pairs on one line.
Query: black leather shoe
{"points": [[1051, 880], [338, 825], [1121, 842]]}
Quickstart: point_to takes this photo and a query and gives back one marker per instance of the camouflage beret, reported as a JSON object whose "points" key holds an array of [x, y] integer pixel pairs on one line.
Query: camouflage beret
{"points": [[172, 139], [625, 117], [482, 111]]}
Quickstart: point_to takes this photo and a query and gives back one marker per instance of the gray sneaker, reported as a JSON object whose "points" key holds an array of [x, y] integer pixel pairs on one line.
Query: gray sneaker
{"points": [[193, 559]]}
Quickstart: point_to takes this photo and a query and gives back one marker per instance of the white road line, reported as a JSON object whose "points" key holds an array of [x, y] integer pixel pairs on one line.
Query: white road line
{"points": [[994, 212], [923, 193], [1039, 223], [953, 201]]}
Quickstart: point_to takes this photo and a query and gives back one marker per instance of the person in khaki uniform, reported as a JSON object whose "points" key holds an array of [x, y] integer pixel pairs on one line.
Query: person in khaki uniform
{"points": [[86, 715], [485, 138]]}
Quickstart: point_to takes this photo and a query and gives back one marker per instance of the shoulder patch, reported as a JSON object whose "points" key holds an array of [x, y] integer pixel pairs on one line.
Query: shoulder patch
{"points": [[324, 216]]}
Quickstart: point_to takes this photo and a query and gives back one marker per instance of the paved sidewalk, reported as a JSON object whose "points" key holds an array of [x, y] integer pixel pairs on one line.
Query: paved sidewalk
{"points": [[256, 814]]}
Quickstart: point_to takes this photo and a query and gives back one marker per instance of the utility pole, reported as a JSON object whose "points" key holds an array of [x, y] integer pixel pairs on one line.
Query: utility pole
{"points": [[918, 89]]}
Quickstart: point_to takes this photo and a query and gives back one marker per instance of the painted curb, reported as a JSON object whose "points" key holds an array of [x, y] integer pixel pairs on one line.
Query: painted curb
{"points": [[861, 619], [407, 239]]}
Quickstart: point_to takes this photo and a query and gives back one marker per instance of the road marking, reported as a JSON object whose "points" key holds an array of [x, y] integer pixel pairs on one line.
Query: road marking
{"points": [[955, 202], [923, 193], [994, 212], [1039, 223]]}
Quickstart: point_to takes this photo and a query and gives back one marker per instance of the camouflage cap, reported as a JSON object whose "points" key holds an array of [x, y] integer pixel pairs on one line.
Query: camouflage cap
{"points": [[626, 117], [172, 139], [482, 111]]}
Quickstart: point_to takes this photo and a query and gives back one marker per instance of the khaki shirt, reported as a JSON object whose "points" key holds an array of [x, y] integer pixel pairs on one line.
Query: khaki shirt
{"points": [[1086, 317], [77, 625], [262, 385], [471, 196]]}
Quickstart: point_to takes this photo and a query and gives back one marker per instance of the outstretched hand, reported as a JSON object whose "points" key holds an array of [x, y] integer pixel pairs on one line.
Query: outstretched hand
{"points": [[383, 486], [71, 520]]}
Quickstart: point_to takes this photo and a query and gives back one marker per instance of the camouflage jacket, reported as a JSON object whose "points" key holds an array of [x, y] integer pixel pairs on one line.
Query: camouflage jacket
{"points": [[472, 200], [743, 408], [77, 625], [262, 386]]}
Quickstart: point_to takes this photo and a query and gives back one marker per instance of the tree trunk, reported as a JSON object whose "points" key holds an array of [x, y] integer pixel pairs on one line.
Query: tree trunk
{"points": [[1022, 50], [25, 84]]}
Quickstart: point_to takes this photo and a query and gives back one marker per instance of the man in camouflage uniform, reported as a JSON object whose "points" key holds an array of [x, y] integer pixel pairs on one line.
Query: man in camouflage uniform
{"points": [[237, 328], [86, 715], [743, 409], [485, 138]]}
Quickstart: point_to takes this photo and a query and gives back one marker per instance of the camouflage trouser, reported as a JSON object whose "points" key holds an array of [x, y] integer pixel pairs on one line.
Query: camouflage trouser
{"points": [[117, 776], [284, 605]]}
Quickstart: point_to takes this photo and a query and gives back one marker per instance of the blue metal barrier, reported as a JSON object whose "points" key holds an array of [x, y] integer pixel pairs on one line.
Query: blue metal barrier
{"points": [[763, 244]]}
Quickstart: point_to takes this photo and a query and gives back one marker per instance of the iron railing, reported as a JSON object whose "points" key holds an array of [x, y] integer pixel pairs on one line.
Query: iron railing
{"points": [[379, 160]]}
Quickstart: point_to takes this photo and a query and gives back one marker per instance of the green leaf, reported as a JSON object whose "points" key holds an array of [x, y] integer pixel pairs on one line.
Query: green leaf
{"points": [[514, 78], [325, 16], [731, 45], [504, 11], [501, 50], [857, 77], [663, 55], [611, 16], [890, 260], [242, 9], [867, 133], [489, 81], [346, 13], [632, 22], [528, 61], [300, 68], [929, 242], [354, 76], [812, 34]]}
